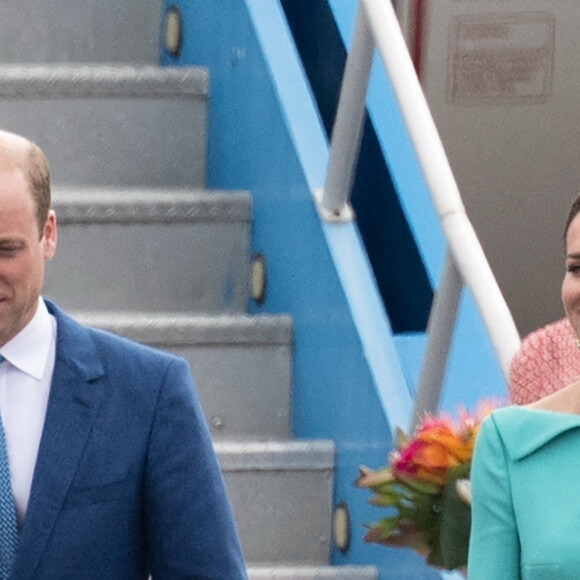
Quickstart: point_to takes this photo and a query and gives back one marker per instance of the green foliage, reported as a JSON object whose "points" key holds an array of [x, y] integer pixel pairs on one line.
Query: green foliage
{"points": [[454, 526]]}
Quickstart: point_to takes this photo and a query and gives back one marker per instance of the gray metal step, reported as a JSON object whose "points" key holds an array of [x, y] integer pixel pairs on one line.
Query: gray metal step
{"points": [[111, 125], [312, 573], [281, 497], [69, 30], [241, 364], [146, 250]]}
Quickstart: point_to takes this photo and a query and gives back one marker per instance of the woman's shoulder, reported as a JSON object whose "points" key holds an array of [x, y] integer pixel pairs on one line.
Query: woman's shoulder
{"points": [[525, 429], [554, 335]]}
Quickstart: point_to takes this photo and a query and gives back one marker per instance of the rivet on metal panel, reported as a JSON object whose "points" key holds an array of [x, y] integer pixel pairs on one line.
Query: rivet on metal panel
{"points": [[238, 53], [217, 422]]}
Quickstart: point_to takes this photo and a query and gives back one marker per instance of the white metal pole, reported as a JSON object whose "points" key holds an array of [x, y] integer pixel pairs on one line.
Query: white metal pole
{"points": [[463, 243], [347, 130], [439, 334]]}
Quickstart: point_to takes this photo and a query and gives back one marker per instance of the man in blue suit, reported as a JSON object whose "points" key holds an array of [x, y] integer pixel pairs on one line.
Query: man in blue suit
{"points": [[112, 467]]}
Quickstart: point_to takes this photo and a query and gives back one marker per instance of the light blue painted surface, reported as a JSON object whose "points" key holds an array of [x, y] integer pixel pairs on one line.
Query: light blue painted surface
{"points": [[265, 136]]}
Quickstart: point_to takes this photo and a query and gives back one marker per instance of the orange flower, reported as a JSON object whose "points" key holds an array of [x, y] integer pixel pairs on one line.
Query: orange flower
{"points": [[443, 432], [436, 448]]}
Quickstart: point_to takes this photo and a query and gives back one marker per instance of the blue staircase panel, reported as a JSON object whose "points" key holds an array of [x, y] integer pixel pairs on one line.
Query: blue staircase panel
{"points": [[352, 377]]}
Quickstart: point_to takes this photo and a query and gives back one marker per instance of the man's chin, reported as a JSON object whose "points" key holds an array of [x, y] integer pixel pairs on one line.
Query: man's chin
{"points": [[10, 325]]}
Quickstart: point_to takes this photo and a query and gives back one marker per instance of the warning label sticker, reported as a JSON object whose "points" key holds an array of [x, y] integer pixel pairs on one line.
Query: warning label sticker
{"points": [[503, 58]]}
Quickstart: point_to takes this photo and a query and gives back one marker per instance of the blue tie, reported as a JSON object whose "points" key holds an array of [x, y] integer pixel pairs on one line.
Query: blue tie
{"points": [[8, 527]]}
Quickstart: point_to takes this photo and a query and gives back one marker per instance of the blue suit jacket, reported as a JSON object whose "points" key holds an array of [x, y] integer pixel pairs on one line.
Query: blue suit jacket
{"points": [[126, 483], [525, 510]]}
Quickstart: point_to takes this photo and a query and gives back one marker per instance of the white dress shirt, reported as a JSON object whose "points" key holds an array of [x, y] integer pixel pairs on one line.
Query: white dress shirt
{"points": [[25, 378]]}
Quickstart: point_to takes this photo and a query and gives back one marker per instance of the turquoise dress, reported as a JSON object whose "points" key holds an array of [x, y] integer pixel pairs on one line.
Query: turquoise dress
{"points": [[526, 497]]}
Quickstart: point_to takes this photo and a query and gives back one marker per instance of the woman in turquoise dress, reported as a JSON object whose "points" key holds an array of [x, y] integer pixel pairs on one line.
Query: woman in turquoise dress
{"points": [[526, 472]]}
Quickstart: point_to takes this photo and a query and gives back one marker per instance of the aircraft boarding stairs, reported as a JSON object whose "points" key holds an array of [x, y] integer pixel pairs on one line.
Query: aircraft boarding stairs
{"points": [[146, 252]]}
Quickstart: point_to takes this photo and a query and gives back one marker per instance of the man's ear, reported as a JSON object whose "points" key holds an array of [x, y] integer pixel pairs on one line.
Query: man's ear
{"points": [[49, 236]]}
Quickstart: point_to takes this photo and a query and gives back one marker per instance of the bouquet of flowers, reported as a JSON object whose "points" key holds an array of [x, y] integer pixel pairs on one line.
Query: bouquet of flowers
{"points": [[426, 489]]}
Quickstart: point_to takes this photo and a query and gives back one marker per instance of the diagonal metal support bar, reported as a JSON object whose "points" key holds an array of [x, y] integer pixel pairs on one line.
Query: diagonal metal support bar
{"points": [[440, 332], [348, 124]]}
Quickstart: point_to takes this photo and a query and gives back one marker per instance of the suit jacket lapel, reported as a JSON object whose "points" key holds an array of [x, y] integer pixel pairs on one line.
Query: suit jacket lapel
{"points": [[73, 401]]}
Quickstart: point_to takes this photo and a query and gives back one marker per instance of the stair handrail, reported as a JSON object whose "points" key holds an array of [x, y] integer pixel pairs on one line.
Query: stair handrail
{"points": [[377, 27]]}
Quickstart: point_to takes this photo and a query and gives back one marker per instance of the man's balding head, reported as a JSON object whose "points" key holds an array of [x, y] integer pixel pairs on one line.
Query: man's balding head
{"points": [[17, 152]]}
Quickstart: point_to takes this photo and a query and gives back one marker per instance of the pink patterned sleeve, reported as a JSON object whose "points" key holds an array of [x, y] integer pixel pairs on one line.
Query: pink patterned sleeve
{"points": [[546, 361]]}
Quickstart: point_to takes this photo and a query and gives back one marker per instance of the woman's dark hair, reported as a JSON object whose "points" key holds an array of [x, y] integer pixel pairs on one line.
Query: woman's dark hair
{"points": [[574, 210]]}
